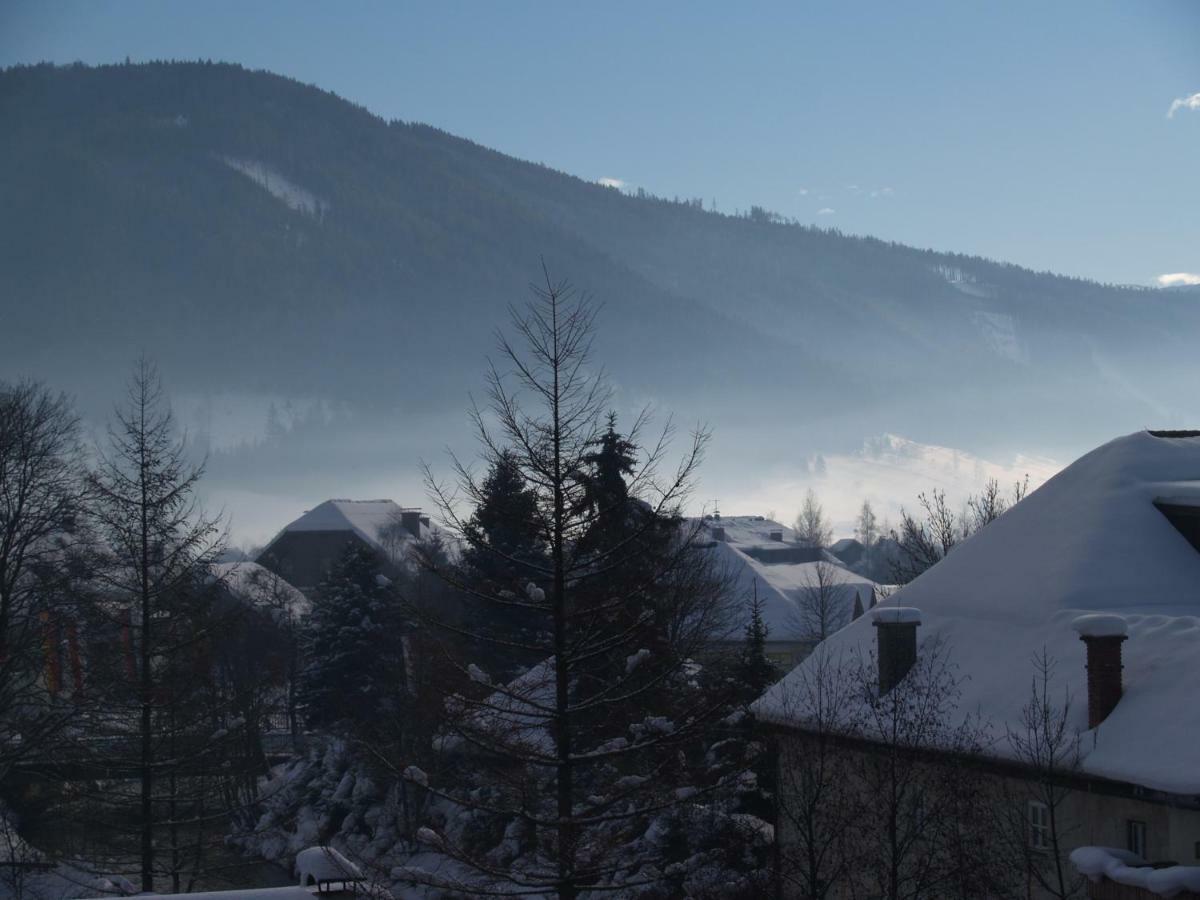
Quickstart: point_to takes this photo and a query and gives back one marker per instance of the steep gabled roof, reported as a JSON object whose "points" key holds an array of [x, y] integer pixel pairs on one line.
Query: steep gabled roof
{"points": [[375, 521], [262, 588], [782, 586], [1089, 540], [369, 519]]}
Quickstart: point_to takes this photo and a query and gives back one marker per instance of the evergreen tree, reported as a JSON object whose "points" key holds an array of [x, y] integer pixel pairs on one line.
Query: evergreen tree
{"points": [[755, 672], [606, 493], [353, 648], [508, 546]]}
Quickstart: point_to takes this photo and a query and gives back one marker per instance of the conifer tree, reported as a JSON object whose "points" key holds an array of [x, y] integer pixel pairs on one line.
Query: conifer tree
{"points": [[612, 460], [508, 544], [504, 551], [755, 671], [353, 648]]}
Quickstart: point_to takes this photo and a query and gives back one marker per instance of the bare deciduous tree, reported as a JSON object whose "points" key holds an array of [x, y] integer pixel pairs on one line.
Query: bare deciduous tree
{"points": [[926, 540], [1033, 815], [811, 526], [817, 803], [41, 495], [823, 603], [156, 552], [866, 530]]}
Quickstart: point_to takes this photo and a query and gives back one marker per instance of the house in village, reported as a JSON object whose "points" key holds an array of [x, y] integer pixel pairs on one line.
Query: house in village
{"points": [[804, 590], [849, 551], [306, 548], [1099, 571]]}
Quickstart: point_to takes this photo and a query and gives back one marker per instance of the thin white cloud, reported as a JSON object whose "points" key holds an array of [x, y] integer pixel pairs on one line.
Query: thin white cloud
{"points": [[612, 183], [1191, 103], [825, 211], [803, 192], [1177, 279]]}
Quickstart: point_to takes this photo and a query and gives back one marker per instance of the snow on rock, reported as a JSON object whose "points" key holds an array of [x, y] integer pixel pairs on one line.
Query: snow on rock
{"points": [[636, 659], [296, 198], [1101, 625], [428, 836], [1089, 541], [316, 865], [535, 593], [515, 715], [1131, 870], [417, 775], [478, 675]]}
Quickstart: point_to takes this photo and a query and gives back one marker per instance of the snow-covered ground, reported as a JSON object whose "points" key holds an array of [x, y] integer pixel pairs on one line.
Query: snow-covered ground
{"points": [[279, 186]]}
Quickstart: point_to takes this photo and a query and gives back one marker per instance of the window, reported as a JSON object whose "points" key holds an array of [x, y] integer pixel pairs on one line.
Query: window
{"points": [[1135, 837], [1039, 826]]}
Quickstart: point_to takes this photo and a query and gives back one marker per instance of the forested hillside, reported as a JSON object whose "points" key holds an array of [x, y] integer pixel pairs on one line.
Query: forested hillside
{"points": [[256, 234]]}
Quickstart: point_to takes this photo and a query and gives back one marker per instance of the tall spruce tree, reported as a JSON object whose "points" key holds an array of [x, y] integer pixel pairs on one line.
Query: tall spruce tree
{"points": [[610, 463], [508, 543], [352, 643], [755, 672]]}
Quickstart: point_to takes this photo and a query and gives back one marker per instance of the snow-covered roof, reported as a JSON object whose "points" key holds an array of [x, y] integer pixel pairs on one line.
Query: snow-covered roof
{"points": [[375, 521], [1090, 540], [751, 531], [317, 865], [782, 586], [262, 587]]}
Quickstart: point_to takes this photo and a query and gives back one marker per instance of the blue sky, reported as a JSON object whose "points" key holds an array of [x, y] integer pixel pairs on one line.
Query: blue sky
{"points": [[1031, 132]]}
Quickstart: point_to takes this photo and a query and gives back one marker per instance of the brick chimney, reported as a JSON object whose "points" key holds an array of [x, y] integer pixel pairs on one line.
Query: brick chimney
{"points": [[410, 521], [896, 648], [1103, 635]]}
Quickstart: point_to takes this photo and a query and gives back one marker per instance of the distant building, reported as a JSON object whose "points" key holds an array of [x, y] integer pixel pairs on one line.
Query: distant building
{"points": [[303, 552], [793, 580], [849, 551]]}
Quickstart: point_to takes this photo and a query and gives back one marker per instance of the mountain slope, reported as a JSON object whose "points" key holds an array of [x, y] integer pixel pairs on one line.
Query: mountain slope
{"points": [[261, 236]]}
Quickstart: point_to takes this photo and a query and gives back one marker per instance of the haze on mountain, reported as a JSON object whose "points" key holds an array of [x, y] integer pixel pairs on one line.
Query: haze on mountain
{"points": [[321, 287]]}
